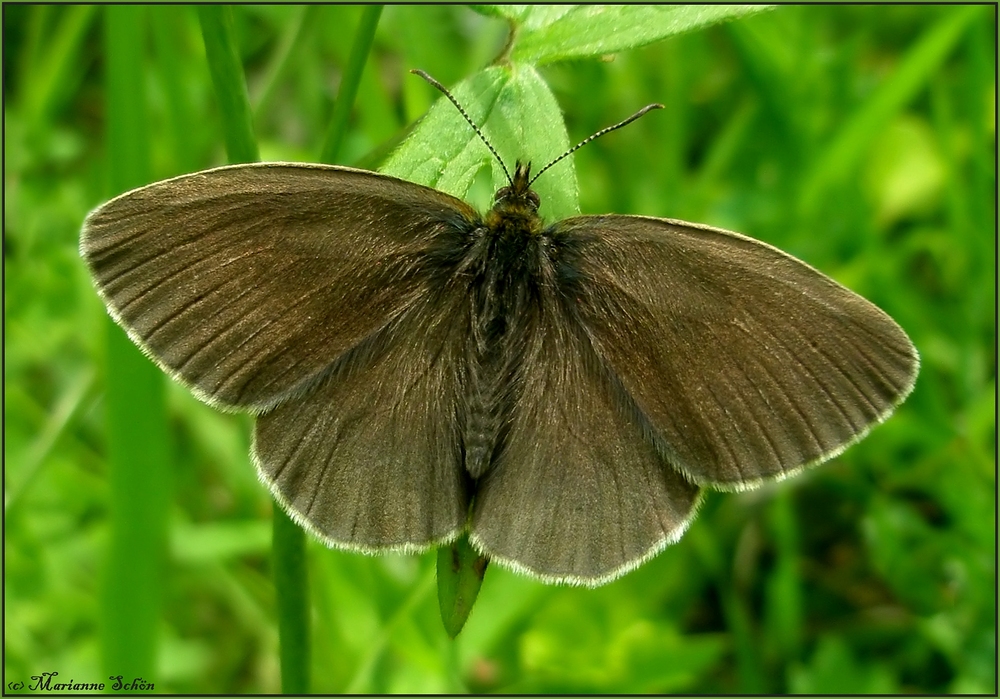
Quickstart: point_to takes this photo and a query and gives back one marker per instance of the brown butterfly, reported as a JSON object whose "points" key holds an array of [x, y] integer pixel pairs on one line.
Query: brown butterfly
{"points": [[561, 391]]}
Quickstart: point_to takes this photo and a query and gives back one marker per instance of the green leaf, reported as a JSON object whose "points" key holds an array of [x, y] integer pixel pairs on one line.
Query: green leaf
{"points": [[518, 113], [460, 571], [548, 33], [511, 12], [443, 151]]}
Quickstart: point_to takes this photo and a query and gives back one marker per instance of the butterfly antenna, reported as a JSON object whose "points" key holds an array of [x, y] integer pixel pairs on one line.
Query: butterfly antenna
{"points": [[581, 144], [475, 128]]}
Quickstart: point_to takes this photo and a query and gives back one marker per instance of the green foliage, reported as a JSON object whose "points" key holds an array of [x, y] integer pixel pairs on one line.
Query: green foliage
{"points": [[460, 572], [445, 153], [859, 138], [544, 34]]}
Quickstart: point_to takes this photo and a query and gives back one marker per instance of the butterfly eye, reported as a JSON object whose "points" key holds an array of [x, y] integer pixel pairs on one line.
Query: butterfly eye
{"points": [[534, 199], [502, 193]]}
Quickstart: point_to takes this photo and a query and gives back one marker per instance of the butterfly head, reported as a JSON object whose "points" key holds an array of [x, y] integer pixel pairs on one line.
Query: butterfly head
{"points": [[519, 193], [515, 207]]}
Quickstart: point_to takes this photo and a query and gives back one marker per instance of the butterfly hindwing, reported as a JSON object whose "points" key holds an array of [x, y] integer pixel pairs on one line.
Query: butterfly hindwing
{"points": [[576, 491], [369, 458]]}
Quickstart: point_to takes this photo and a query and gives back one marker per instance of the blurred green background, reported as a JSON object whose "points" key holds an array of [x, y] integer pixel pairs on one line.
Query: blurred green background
{"points": [[860, 139]]}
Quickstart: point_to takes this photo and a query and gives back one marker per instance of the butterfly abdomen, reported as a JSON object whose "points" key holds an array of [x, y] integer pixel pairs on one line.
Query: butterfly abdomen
{"points": [[502, 269]]}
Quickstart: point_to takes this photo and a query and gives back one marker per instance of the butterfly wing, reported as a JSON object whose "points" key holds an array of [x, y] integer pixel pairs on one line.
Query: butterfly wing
{"points": [[310, 295], [747, 363], [577, 491], [370, 457], [247, 282]]}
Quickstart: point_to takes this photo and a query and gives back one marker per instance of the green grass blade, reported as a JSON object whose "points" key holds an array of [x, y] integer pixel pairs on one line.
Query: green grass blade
{"points": [[295, 34], [291, 583], [229, 82], [138, 461], [783, 601], [168, 29], [51, 79], [363, 39]]}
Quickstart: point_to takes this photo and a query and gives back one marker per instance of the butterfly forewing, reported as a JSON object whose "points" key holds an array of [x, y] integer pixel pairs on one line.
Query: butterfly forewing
{"points": [[247, 282], [748, 363]]}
